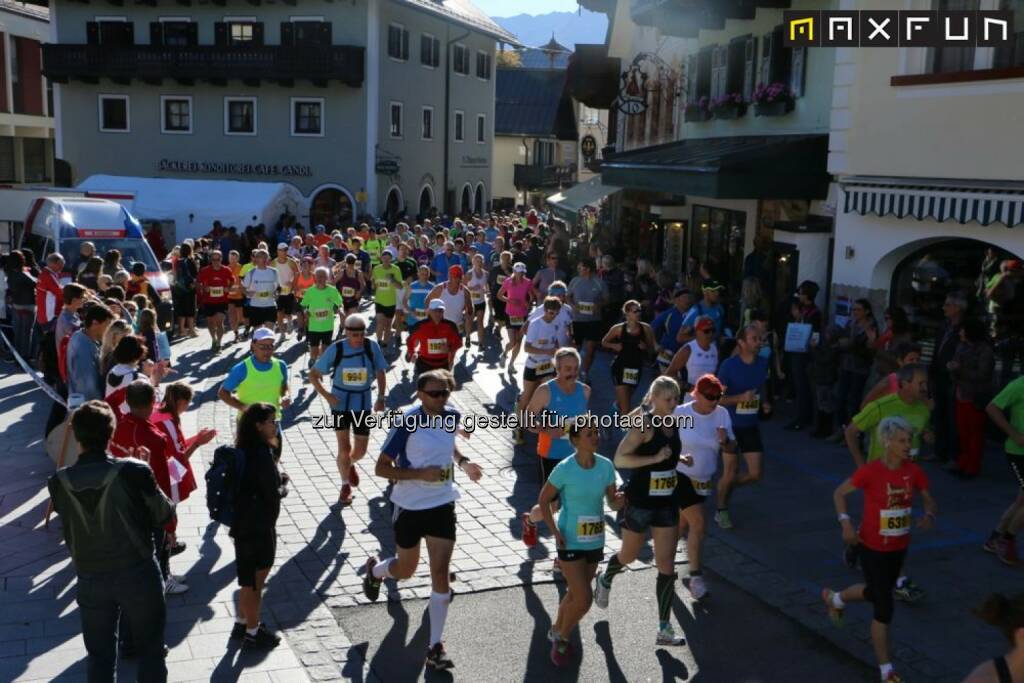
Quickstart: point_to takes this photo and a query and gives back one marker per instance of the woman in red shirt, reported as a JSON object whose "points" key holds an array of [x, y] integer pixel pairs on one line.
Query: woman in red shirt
{"points": [[888, 485]]}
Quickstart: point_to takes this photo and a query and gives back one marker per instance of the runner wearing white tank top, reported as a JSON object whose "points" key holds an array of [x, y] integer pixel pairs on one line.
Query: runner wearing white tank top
{"points": [[478, 294], [697, 359]]}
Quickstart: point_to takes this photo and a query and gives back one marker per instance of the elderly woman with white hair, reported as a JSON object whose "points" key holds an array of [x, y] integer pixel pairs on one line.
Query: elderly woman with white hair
{"points": [[884, 535]]}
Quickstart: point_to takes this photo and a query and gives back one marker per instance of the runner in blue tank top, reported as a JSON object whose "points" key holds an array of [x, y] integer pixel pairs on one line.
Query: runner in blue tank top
{"points": [[416, 297]]}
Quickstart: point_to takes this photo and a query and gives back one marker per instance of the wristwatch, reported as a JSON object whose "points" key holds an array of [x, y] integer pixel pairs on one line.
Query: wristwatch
{"points": [[843, 517]]}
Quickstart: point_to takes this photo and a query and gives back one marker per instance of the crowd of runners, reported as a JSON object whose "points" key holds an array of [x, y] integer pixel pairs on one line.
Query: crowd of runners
{"points": [[692, 379]]}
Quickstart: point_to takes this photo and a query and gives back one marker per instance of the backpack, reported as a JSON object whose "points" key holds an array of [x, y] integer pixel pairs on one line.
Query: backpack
{"points": [[223, 480], [338, 357]]}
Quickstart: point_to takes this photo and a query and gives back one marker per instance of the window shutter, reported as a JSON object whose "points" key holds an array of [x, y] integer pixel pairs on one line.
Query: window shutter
{"points": [[719, 70], [780, 57], [220, 34], [405, 44], [797, 70], [691, 79], [92, 33], [749, 67], [156, 33], [287, 34], [767, 49], [326, 34], [257, 33], [129, 33]]}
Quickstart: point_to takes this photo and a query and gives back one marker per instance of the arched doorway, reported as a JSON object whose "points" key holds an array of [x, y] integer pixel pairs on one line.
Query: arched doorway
{"points": [[466, 207], [922, 280], [393, 208], [332, 208], [426, 201], [479, 199]]}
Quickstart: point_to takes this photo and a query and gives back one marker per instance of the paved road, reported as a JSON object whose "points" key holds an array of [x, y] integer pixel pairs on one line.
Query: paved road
{"points": [[501, 636]]}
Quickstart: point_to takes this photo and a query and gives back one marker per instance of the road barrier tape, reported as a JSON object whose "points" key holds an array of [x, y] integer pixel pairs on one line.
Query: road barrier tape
{"points": [[36, 377]]}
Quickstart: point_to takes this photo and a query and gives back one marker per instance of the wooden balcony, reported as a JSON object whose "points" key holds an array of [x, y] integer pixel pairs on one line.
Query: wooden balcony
{"points": [[535, 177]]}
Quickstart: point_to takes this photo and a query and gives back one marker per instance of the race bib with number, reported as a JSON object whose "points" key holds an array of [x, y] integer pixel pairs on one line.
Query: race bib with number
{"points": [[420, 313], [894, 522], [447, 476], [322, 314], [501, 279], [631, 376], [589, 529], [585, 307], [702, 488], [348, 292], [264, 295], [665, 357], [478, 297], [383, 284], [437, 347], [353, 377], [749, 407], [516, 320], [662, 483], [544, 368], [286, 290], [216, 292]]}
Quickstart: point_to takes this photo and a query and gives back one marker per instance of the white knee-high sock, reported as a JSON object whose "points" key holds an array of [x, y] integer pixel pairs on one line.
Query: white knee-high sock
{"points": [[438, 609], [380, 570]]}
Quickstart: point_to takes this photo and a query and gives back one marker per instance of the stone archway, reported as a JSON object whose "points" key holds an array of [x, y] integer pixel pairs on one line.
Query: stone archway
{"points": [[331, 207], [426, 201], [394, 206]]}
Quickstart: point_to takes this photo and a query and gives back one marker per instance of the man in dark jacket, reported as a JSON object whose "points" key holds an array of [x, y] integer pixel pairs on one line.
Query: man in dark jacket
{"points": [[940, 381], [109, 509]]}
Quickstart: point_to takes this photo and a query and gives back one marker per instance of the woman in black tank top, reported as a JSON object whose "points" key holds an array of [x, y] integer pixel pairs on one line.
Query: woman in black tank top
{"points": [[1007, 614], [651, 450], [633, 343]]}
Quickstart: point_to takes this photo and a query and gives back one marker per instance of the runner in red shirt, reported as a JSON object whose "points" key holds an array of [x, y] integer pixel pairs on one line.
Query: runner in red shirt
{"points": [[137, 436], [888, 485], [215, 282], [434, 341]]}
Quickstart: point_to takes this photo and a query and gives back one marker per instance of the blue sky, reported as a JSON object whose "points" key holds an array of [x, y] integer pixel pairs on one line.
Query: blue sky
{"points": [[508, 8]]}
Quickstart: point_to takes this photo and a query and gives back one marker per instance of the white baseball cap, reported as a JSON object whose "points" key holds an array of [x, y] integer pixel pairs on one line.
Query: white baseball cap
{"points": [[262, 334], [519, 268], [436, 305]]}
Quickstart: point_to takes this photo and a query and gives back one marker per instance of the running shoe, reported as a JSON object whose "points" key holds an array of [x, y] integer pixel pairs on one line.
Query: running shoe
{"points": [[1006, 550], [909, 592], [438, 659], [263, 640], [177, 549], [835, 615], [893, 677], [560, 652], [371, 584], [667, 636], [529, 531], [601, 592], [991, 544], [353, 476], [723, 520], [237, 631], [697, 586], [345, 497], [172, 587]]}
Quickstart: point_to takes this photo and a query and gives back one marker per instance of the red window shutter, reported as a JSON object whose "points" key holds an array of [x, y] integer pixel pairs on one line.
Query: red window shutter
{"points": [[30, 60]]}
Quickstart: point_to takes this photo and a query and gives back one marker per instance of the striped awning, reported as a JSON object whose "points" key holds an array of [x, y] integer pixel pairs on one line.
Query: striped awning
{"points": [[941, 204]]}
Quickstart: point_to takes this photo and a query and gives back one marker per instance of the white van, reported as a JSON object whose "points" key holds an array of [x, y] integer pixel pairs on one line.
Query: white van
{"points": [[62, 224]]}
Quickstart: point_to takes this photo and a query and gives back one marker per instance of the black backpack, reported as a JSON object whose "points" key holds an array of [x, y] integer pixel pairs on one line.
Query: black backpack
{"points": [[223, 481], [339, 355]]}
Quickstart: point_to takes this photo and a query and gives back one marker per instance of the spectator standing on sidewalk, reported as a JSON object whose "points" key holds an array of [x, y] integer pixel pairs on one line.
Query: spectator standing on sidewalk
{"points": [[83, 355], [856, 356], [21, 296], [803, 387], [108, 509], [972, 369], [254, 530], [49, 291], [940, 380]]}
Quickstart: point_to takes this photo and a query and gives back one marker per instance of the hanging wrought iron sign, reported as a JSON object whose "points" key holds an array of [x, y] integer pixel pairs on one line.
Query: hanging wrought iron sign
{"points": [[632, 98], [588, 146]]}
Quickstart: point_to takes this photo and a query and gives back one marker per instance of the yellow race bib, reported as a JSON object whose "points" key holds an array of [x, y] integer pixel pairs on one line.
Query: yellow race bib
{"points": [[216, 292], [322, 314], [662, 483], [478, 297], [631, 376], [383, 284], [263, 295], [353, 377], [420, 313], [585, 307], [665, 357], [285, 290], [748, 407], [437, 347], [348, 292], [894, 522], [516, 320], [501, 279], [589, 528], [447, 476], [544, 368], [702, 488]]}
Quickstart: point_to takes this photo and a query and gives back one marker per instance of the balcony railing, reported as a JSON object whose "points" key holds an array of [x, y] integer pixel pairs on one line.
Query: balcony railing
{"points": [[344, 63], [530, 176]]}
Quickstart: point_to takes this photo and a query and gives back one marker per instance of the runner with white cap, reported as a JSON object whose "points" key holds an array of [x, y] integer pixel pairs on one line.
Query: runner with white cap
{"points": [[517, 294]]}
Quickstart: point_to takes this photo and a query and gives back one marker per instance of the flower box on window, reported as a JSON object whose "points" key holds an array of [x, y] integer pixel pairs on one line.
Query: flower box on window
{"points": [[698, 111], [729, 106], [773, 100]]}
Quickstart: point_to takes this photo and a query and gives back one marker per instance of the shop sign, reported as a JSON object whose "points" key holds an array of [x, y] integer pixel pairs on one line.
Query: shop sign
{"points": [[387, 166], [235, 168], [473, 162]]}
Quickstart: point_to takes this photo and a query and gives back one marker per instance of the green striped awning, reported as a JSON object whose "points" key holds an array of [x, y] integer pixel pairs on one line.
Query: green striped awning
{"points": [[983, 205]]}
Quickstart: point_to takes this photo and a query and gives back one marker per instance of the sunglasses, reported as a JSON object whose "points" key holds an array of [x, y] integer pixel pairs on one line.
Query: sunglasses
{"points": [[356, 330], [264, 347], [438, 393], [712, 397]]}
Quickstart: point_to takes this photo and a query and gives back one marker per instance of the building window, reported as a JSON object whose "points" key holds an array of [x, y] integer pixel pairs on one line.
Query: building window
{"points": [[111, 31], [307, 116], [430, 51], [543, 153], [717, 237], [7, 173], [174, 32], [460, 60], [176, 114], [481, 128], [398, 42], [115, 114], [460, 130], [483, 66], [310, 32], [428, 123], [1007, 56], [35, 159], [240, 116], [396, 120], [241, 32], [952, 59]]}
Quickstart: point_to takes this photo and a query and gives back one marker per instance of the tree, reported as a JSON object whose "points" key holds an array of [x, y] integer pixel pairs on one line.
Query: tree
{"points": [[509, 59]]}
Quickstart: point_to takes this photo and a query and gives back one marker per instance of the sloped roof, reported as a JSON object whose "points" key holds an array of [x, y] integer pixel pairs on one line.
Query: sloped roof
{"points": [[528, 101], [29, 10], [466, 13]]}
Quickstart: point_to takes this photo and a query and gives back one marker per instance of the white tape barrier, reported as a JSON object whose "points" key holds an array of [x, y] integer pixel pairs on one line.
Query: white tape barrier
{"points": [[36, 377]]}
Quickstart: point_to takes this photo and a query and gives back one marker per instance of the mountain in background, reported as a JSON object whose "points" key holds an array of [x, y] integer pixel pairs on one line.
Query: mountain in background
{"points": [[569, 27]]}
